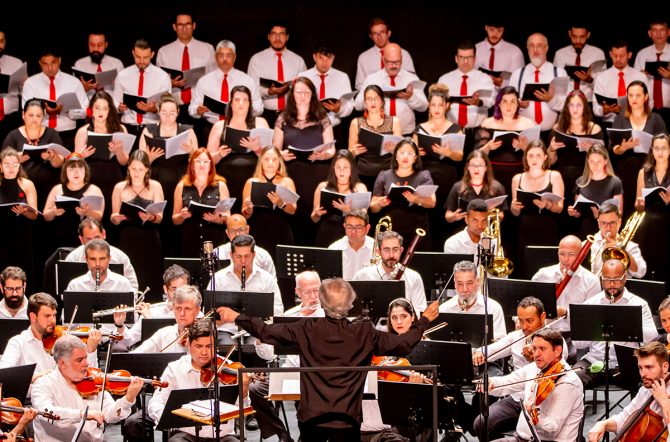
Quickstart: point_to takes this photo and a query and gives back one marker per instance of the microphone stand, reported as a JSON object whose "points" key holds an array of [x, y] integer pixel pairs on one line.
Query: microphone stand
{"points": [[209, 261], [484, 257]]}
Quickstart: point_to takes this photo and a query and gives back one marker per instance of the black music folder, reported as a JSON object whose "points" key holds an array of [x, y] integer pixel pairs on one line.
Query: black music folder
{"points": [[216, 106], [610, 101], [530, 88], [259, 194], [652, 67], [232, 138], [131, 102]]}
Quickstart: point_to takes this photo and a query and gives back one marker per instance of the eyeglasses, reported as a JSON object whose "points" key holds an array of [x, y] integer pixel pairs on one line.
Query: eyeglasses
{"points": [[608, 223], [202, 162], [184, 25], [168, 113], [406, 154], [614, 280], [240, 231], [10, 165], [393, 62], [351, 227], [388, 250], [309, 292], [303, 93], [16, 290]]}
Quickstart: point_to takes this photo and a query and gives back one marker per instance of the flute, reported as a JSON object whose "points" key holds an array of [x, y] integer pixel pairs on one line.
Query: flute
{"points": [[298, 309], [111, 311]]}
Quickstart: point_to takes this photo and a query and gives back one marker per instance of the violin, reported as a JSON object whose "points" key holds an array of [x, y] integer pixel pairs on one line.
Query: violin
{"points": [[226, 372], [395, 375], [11, 410], [117, 382], [83, 332], [545, 386]]}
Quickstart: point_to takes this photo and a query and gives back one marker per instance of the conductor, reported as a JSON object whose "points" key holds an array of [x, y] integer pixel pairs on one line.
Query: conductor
{"points": [[330, 405]]}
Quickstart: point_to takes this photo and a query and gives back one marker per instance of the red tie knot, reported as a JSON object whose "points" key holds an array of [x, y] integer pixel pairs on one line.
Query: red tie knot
{"points": [[493, 49], [537, 72], [141, 71], [52, 77], [658, 56], [323, 76], [465, 77], [620, 74], [279, 54]]}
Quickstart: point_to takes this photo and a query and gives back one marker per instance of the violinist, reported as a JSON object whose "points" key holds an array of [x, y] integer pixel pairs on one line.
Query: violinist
{"points": [[57, 391], [186, 307], [614, 291], [99, 277], [555, 404], [503, 413], [390, 249], [470, 301], [13, 289], [652, 397], [27, 347], [184, 373], [26, 418]]}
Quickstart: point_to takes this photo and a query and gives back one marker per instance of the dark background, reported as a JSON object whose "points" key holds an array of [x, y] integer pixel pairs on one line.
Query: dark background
{"points": [[430, 31]]}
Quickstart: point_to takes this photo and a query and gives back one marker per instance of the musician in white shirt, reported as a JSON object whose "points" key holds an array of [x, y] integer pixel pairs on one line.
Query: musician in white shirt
{"points": [[97, 61], [236, 225], [467, 240], [495, 54], [14, 304], [659, 50], [10, 101], [357, 247], [99, 278], [580, 51]]}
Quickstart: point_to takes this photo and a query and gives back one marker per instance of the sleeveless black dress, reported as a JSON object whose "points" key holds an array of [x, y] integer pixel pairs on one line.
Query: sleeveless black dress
{"points": [[63, 229], [17, 239], [105, 174], [236, 168], [196, 231], [653, 235]]}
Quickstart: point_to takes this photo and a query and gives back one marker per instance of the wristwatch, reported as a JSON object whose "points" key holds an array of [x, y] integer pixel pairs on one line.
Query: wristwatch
{"points": [[283, 205]]}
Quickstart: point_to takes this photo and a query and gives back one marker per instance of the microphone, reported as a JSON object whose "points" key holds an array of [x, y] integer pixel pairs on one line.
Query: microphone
{"points": [[208, 256], [485, 250]]}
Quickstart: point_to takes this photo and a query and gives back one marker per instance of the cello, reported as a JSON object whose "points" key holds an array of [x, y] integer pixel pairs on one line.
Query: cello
{"points": [[644, 425]]}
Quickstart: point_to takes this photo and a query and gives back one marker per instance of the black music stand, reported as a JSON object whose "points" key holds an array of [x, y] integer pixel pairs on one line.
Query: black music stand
{"points": [[16, 381], [10, 328], [90, 302], [609, 323], [537, 257], [653, 292], [66, 271], [435, 270], [446, 355], [151, 326], [414, 411], [258, 304], [373, 297], [177, 398], [292, 260], [463, 327], [194, 267], [629, 375], [509, 292]]}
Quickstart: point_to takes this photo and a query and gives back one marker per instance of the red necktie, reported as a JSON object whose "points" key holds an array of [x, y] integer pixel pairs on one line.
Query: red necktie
{"points": [[185, 66], [578, 62], [322, 88], [622, 86], [392, 107], [463, 108], [658, 91], [2, 106], [381, 52], [99, 68], [53, 118], [492, 58], [224, 93], [538, 104], [281, 102], [140, 91]]}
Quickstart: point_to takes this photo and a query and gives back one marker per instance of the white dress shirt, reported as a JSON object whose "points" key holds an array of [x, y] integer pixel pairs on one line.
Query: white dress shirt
{"points": [[9, 65], [560, 414], [337, 83], [494, 308], [404, 108], [108, 63], [210, 85], [112, 283], [649, 54], [263, 64], [133, 335], [52, 392], [507, 58], [597, 348], [550, 109], [607, 84], [159, 340], [353, 260], [631, 248], [21, 314], [117, 256], [181, 375], [641, 398], [200, 54], [370, 62], [461, 243], [262, 258], [156, 81], [582, 286], [567, 56], [38, 86], [477, 80], [414, 290]]}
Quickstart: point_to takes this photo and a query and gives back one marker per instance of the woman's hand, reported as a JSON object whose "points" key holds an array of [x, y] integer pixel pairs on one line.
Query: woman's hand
{"points": [[155, 153], [520, 143], [573, 212], [445, 150], [555, 145], [287, 155], [665, 196], [339, 205], [83, 210], [492, 145], [248, 207], [150, 217], [357, 149], [318, 212], [116, 146], [274, 199], [185, 214], [86, 151], [117, 218], [252, 143], [224, 151], [516, 206], [213, 217]]}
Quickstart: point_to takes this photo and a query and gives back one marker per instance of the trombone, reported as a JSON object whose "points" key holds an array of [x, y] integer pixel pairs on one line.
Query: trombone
{"points": [[618, 252], [383, 225], [499, 267]]}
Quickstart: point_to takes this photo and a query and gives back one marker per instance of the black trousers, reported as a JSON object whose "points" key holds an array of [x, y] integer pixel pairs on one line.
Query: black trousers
{"points": [[503, 416], [314, 432], [267, 414], [135, 431]]}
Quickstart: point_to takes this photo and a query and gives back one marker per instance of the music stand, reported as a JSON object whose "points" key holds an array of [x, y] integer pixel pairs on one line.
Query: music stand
{"points": [[10, 328], [509, 292], [177, 398], [292, 260], [16, 381], [533, 431], [463, 327], [446, 355], [373, 297], [651, 291], [90, 302], [80, 427], [66, 271], [151, 326], [258, 304], [537, 257], [194, 267], [609, 323], [435, 269], [414, 411]]}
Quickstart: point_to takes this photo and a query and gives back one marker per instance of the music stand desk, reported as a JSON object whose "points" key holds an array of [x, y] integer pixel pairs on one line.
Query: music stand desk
{"points": [[453, 360], [168, 420], [463, 327], [16, 381], [258, 304], [152, 325], [292, 260], [90, 302], [191, 415], [376, 296], [435, 269], [10, 328], [509, 292]]}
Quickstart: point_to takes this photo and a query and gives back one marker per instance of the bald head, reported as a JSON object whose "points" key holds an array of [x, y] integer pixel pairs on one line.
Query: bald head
{"points": [[392, 58], [613, 268], [236, 225], [568, 249]]}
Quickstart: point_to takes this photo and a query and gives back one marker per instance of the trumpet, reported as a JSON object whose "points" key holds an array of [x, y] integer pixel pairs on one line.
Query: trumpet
{"points": [[618, 252], [383, 225], [499, 266]]}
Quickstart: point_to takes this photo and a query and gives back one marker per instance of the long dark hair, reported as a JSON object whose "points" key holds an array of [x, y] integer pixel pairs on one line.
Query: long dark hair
{"points": [[563, 122], [113, 123], [507, 90], [650, 161], [249, 119], [643, 85], [142, 157], [488, 175], [404, 304], [331, 182], [316, 111]]}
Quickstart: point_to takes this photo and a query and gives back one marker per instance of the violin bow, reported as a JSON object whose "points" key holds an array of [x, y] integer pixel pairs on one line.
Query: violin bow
{"points": [[218, 369], [444, 290], [74, 313], [104, 380]]}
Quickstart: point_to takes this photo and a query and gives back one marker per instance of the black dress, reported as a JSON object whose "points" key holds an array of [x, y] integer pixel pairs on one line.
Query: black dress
{"points": [[329, 228], [370, 164], [105, 174], [506, 161], [598, 192], [270, 227], [142, 244], [653, 235], [196, 231], [444, 173], [17, 239], [629, 164], [63, 229], [405, 219], [237, 168], [168, 172], [305, 174]]}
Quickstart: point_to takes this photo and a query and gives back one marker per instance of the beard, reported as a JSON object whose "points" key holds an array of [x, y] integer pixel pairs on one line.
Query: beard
{"points": [[614, 293], [96, 57], [13, 302], [536, 61]]}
